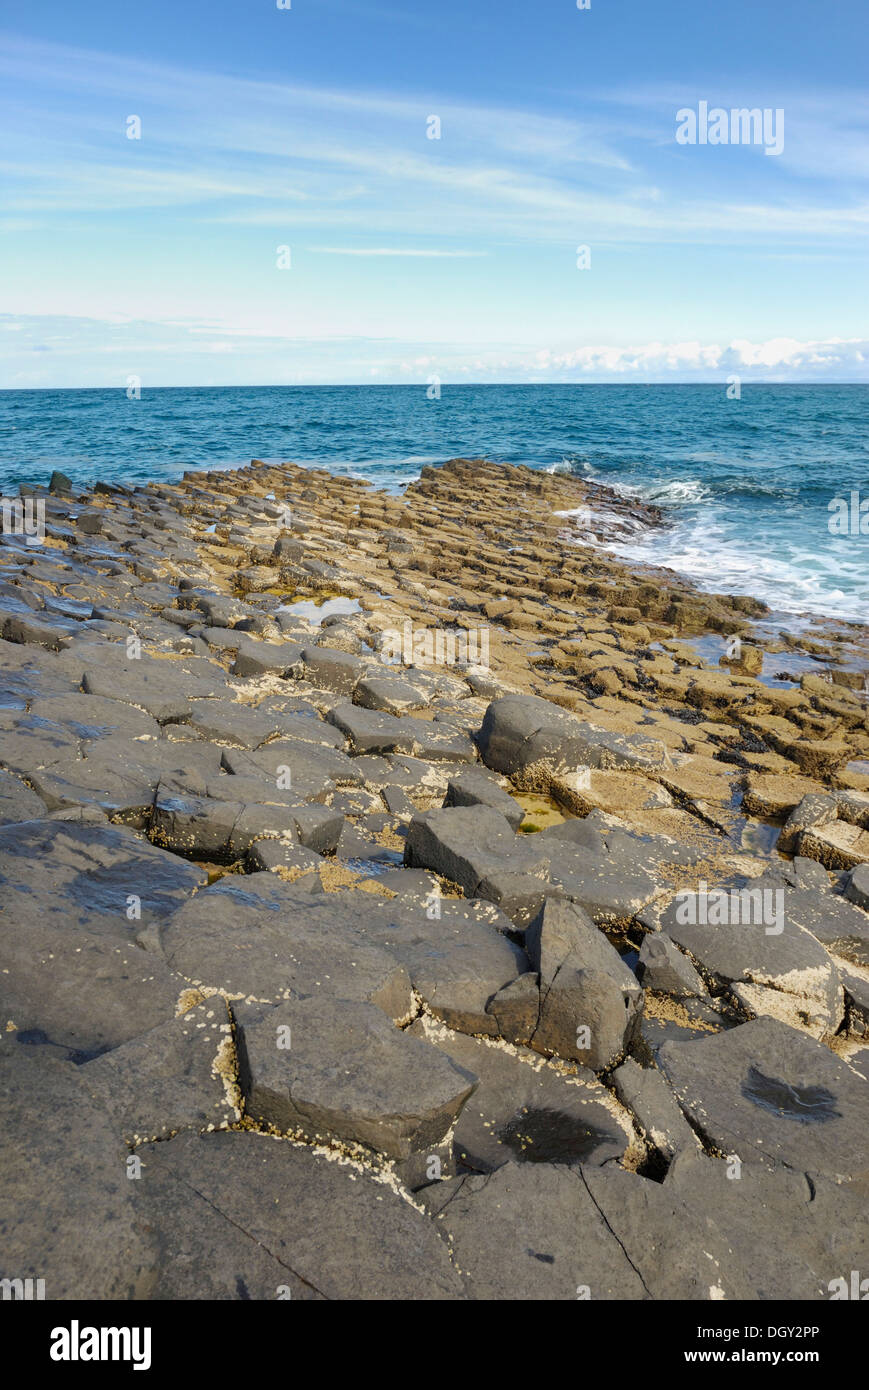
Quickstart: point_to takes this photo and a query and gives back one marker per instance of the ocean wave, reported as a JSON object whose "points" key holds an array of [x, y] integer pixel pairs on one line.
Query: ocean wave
{"points": [[667, 491], [719, 559]]}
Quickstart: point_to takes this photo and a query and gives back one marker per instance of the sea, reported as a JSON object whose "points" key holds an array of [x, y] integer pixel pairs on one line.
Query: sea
{"points": [[749, 480]]}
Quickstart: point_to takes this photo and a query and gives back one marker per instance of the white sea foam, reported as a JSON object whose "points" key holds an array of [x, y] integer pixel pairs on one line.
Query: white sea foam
{"points": [[789, 578]]}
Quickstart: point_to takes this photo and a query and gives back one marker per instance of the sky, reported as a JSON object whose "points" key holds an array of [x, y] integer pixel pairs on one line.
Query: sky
{"points": [[286, 216]]}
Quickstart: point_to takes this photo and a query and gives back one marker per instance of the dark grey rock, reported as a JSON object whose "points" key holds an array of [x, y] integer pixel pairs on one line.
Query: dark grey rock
{"points": [[288, 861], [591, 1005], [534, 1227], [477, 788], [646, 1094], [769, 1093], [67, 1208], [467, 844], [389, 695], [61, 874], [663, 968], [17, 801], [305, 769], [457, 961], [755, 1214], [522, 1112], [516, 1008], [857, 886], [332, 670], [164, 689], [257, 937], [338, 1231], [778, 968], [531, 739], [371, 731], [345, 1072], [179, 1075], [264, 658]]}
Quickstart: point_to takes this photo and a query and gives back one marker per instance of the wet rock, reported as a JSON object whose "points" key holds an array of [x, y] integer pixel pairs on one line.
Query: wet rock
{"points": [[91, 717], [101, 878], [194, 826], [769, 1093], [20, 624], [523, 1111], [338, 1069]]}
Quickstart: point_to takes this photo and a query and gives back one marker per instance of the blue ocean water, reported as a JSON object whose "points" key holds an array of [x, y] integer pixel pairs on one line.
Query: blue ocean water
{"points": [[745, 483]]}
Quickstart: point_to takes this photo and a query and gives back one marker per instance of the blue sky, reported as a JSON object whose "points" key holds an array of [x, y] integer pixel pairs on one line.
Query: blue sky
{"points": [[413, 257]]}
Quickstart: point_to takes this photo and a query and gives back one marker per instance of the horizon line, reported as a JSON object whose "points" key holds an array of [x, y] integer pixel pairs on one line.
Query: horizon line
{"points": [[421, 385]]}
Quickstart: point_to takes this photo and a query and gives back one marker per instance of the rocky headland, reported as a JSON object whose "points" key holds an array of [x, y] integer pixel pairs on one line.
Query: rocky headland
{"points": [[402, 898]]}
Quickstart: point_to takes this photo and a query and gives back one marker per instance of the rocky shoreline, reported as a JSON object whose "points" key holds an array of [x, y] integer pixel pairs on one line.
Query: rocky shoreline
{"points": [[403, 898]]}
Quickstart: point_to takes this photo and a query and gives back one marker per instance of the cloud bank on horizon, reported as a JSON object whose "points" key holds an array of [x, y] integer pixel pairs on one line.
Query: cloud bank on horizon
{"points": [[241, 195]]}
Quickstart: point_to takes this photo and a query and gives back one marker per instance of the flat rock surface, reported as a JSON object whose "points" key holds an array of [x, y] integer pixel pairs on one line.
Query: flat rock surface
{"points": [[534, 1227], [252, 937], [85, 1236], [768, 1093], [328, 1225]]}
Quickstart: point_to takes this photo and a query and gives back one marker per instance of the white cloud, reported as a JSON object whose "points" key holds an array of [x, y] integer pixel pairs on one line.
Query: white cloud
{"points": [[269, 356]]}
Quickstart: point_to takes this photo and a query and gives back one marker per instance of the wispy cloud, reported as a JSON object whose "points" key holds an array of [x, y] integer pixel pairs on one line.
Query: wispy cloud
{"points": [[392, 251], [405, 248]]}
